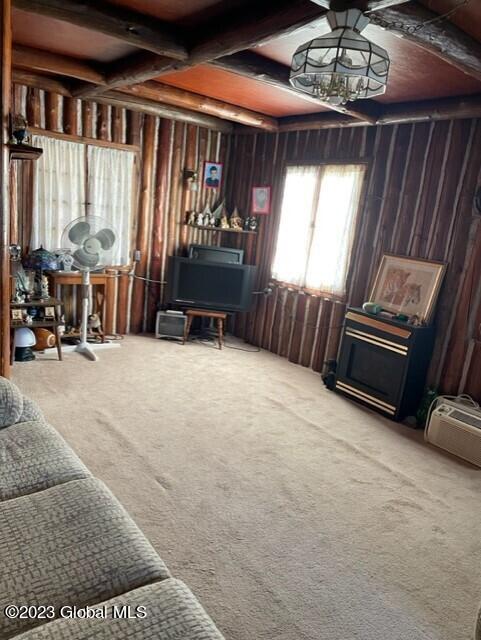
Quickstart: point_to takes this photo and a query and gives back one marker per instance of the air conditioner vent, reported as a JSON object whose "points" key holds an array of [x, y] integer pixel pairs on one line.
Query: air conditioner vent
{"points": [[457, 431], [467, 418]]}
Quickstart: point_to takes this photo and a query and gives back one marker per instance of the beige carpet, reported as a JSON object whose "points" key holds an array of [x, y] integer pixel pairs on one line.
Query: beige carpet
{"points": [[291, 512]]}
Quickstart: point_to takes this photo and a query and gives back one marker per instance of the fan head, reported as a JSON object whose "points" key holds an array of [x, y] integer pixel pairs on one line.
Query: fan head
{"points": [[91, 241]]}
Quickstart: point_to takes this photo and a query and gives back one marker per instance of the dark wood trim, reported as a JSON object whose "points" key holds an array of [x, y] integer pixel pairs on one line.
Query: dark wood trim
{"points": [[443, 39], [137, 29], [5, 105]]}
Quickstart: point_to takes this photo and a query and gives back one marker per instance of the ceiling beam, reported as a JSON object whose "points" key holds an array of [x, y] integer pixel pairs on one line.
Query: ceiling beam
{"points": [[236, 32], [423, 111], [139, 30], [151, 107], [26, 58], [442, 39], [367, 6], [31, 59], [39, 81], [173, 96], [252, 65]]}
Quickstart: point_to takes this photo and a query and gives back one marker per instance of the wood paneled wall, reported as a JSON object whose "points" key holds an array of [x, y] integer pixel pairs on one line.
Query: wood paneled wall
{"points": [[418, 201], [165, 149]]}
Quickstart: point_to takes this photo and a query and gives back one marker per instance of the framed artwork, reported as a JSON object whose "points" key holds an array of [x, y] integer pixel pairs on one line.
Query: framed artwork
{"points": [[261, 200], [409, 286], [49, 313], [17, 316], [212, 175]]}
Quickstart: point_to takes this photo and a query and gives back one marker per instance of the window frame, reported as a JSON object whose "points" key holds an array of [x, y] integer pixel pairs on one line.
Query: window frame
{"points": [[312, 162]]}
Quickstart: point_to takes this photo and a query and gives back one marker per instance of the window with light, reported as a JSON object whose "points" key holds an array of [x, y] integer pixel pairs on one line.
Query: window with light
{"points": [[317, 225]]}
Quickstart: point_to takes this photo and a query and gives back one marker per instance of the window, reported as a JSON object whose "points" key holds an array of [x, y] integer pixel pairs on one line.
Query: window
{"points": [[73, 180], [317, 224]]}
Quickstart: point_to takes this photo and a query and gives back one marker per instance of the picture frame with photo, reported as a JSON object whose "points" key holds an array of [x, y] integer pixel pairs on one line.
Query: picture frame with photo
{"points": [[16, 316], [261, 200], [408, 286], [212, 174]]}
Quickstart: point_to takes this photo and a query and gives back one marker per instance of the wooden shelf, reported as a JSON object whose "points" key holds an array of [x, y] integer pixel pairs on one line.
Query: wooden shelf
{"points": [[203, 228], [24, 152]]}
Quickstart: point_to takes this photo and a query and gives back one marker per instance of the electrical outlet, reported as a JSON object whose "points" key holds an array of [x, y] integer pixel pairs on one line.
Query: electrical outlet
{"points": [[137, 255]]}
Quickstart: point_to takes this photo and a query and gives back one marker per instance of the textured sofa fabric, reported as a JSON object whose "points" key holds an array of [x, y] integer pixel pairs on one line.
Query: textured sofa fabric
{"points": [[33, 456], [477, 630], [72, 544], [14, 406], [171, 612], [11, 403]]}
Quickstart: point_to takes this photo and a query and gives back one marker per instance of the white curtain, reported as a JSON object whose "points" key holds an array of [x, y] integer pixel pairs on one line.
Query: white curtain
{"points": [[333, 235], [59, 190], [295, 226], [110, 194], [317, 226]]}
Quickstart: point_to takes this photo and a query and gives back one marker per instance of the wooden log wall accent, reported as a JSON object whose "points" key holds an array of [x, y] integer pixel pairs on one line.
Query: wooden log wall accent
{"points": [[418, 201], [165, 148]]}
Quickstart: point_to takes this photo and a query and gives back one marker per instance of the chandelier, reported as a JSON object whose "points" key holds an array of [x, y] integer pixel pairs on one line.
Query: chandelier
{"points": [[342, 65]]}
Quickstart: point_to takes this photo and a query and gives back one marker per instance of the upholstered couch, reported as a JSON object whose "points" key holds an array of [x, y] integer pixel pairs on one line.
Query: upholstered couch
{"points": [[71, 552]]}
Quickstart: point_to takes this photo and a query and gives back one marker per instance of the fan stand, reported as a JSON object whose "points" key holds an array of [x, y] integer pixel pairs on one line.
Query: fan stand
{"points": [[83, 346]]}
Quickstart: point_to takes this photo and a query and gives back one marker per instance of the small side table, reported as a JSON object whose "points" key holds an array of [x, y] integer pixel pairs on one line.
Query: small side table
{"points": [[219, 316], [38, 324]]}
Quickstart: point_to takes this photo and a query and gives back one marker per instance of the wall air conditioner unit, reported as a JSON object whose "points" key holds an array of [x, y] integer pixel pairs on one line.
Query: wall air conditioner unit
{"points": [[456, 427]]}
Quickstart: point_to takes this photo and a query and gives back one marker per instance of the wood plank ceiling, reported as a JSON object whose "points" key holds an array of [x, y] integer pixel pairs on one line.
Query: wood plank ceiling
{"points": [[231, 59]]}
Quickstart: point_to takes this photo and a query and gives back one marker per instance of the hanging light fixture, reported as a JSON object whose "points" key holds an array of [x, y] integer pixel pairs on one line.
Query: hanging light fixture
{"points": [[342, 65]]}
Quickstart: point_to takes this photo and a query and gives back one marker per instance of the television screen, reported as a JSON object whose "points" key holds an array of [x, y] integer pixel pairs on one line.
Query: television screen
{"points": [[211, 285]]}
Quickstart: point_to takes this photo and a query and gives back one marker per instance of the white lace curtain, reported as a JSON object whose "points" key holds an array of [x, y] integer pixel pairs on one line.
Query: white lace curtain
{"points": [[71, 180], [110, 194], [317, 226]]}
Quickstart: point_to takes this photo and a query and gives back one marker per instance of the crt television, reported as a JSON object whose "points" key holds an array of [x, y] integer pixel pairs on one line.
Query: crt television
{"points": [[215, 254], [211, 285]]}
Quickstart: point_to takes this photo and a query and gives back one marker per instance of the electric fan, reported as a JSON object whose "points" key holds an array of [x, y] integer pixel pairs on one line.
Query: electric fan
{"points": [[90, 240]]}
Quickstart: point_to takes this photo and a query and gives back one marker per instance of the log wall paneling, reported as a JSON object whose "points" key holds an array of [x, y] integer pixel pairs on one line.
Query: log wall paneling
{"points": [[163, 199], [6, 92], [417, 201]]}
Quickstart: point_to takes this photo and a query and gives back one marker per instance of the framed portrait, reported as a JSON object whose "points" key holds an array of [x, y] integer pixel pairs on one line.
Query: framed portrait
{"points": [[261, 200], [49, 313], [212, 175], [409, 286]]}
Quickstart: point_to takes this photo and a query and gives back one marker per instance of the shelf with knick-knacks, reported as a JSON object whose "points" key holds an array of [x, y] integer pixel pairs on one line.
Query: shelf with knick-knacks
{"points": [[219, 220]]}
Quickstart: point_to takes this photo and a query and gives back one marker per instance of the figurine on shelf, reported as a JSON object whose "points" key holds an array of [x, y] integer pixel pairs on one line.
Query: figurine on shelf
{"points": [[19, 129], [191, 218], [247, 222], [253, 223], [236, 220], [212, 220], [224, 222], [200, 220]]}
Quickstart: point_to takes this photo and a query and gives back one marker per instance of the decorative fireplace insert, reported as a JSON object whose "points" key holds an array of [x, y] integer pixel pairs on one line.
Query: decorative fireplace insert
{"points": [[383, 363]]}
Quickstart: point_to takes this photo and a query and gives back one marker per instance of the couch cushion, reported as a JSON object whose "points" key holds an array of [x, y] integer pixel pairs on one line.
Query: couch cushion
{"points": [[171, 612], [11, 403], [33, 456], [31, 411], [72, 544]]}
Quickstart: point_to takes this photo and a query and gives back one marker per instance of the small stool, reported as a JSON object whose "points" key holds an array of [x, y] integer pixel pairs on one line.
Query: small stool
{"points": [[202, 313]]}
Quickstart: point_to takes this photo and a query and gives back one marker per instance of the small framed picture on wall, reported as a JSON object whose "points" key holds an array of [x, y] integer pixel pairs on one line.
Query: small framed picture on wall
{"points": [[212, 175], [261, 200]]}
